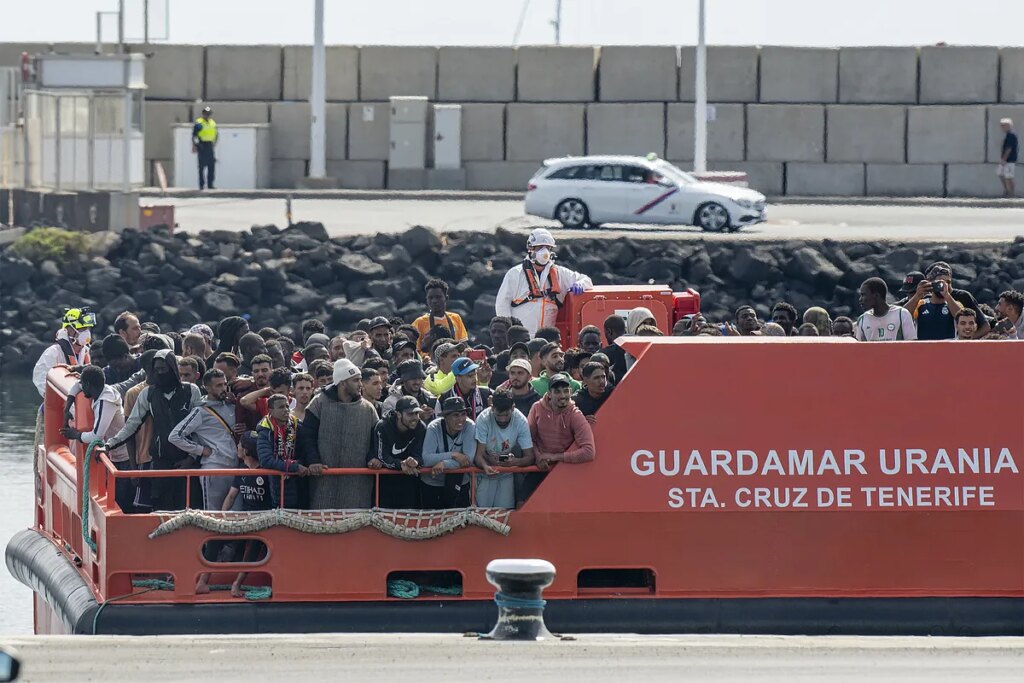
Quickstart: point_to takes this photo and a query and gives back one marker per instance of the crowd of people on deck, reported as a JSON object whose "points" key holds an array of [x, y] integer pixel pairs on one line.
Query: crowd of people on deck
{"points": [[421, 399]]}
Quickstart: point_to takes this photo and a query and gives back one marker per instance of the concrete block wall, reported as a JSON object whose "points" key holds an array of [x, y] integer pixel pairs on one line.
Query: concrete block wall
{"points": [[874, 120]]}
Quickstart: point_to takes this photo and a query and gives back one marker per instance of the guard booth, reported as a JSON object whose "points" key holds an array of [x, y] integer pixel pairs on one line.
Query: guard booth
{"points": [[83, 122]]}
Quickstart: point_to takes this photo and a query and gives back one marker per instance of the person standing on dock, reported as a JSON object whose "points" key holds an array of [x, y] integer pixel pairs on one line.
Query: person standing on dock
{"points": [[204, 140]]}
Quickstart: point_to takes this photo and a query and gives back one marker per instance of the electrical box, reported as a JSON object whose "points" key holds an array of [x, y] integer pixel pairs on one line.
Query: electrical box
{"points": [[409, 109], [242, 153], [408, 146], [448, 136]]}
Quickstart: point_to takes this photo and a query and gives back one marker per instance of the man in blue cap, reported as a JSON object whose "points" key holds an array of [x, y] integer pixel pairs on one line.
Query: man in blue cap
{"points": [[476, 398]]}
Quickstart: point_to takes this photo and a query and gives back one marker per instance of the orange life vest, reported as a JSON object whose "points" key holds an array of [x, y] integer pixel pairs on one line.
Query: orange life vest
{"points": [[536, 292]]}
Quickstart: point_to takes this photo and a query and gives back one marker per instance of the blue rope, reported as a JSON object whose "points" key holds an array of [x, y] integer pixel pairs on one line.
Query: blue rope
{"points": [[510, 601], [85, 495], [407, 590]]}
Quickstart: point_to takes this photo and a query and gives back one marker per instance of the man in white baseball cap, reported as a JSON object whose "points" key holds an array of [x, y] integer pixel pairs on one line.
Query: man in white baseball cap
{"points": [[534, 290]]}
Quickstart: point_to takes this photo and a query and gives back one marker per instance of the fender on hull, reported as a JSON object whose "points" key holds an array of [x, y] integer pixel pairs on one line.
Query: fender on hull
{"points": [[34, 560]]}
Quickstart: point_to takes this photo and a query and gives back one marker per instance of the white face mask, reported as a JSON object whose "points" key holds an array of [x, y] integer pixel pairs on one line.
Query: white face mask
{"points": [[84, 337], [542, 256]]}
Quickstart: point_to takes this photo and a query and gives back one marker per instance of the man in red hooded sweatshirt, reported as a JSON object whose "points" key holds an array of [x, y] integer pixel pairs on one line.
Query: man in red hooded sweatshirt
{"points": [[560, 431]]}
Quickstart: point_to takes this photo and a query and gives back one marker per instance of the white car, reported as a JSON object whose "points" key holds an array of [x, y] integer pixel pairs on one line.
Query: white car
{"points": [[589, 191]]}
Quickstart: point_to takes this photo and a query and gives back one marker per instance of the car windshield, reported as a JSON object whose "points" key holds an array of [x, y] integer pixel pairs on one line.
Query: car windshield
{"points": [[669, 171]]}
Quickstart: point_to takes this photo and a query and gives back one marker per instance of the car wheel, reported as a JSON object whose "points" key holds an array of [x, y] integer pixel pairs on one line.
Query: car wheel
{"points": [[712, 217], [572, 213]]}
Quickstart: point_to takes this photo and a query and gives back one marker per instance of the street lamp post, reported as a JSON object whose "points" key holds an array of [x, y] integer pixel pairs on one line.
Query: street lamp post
{"points": [[317, 98], [700, 105]]}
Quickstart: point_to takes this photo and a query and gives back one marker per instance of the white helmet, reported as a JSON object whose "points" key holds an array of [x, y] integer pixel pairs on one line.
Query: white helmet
{"points": [[540, 237]]}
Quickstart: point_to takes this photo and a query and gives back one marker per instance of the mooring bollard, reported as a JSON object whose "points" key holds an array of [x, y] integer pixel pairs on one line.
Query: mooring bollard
{"points": [[520, 584]]}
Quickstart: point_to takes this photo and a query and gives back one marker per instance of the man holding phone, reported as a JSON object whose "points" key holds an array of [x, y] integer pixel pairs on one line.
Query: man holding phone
{"points": [[935, 304], [503, 440]]}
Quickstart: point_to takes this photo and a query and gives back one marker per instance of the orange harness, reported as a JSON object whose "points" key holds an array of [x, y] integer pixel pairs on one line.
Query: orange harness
{"points": [[536, 292]]}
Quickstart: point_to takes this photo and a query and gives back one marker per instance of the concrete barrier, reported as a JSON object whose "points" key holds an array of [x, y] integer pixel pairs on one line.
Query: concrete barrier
{"points": [[995, 134], [866, 133], [1011, 74], [500, 175], [243, 72], [939, 134], [337, 130], [799, 74], [556, 74], [638, 73], [878, 75], [476, 74], [959, 75], [539, 131], [173, 72], [407, 178], [637, 128], [785, 132], [285, 174], [369, 131], [237, 112], [905, 180], [726, 133], [483, 132], [357, 175], [160, 116], [972, 180], [767, 177], [342, 72], [289, 130], [732, 73], [824, 180], [389, 71]]}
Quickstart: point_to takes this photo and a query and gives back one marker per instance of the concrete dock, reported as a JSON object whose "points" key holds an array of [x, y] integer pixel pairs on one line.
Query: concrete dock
{"points": [[427, 658]]}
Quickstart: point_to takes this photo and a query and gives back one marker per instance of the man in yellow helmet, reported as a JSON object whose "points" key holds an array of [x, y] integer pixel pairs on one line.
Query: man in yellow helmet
{"points": [[71, 346], [204, 139]]}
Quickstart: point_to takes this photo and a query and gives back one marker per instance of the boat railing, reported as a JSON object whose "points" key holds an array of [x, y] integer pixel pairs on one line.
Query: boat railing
{"points": [[110, 473]]}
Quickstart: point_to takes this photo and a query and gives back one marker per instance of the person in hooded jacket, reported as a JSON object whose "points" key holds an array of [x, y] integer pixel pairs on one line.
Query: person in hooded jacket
{"points": [[107, 420], [168, 401], [398, 445], [410, 383]]}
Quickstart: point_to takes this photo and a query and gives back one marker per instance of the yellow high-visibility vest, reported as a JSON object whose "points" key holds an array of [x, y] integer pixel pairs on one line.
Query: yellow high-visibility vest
{"points": [[207, 130]]}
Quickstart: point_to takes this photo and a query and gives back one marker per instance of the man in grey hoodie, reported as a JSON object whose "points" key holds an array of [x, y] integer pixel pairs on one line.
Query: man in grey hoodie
{"points": [[207, 433]]}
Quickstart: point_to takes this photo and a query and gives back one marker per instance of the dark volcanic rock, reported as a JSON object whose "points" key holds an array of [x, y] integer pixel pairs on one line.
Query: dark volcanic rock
{"points": [[357, 267]]}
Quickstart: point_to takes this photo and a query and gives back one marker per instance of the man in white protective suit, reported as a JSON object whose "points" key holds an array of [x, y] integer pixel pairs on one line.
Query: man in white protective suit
{"points": [[534, 290]]}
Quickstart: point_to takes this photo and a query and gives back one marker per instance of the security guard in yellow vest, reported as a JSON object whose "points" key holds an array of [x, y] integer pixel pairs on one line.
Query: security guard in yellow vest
{"points": [[204, 138]]}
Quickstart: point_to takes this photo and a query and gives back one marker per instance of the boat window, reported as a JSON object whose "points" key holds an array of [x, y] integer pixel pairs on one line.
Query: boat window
{"points": [[617, 581], [236, 550], [424, 584]]}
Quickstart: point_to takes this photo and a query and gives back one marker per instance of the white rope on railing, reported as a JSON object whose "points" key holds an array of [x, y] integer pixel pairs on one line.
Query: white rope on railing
{"points": [[413, 525]]}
